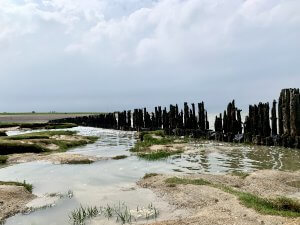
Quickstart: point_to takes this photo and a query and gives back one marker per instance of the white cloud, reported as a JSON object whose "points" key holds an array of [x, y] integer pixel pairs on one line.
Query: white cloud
{"points": [[224, 44]]}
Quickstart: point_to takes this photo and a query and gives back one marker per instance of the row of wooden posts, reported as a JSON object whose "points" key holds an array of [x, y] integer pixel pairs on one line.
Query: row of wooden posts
{"points": [[261, 126]]}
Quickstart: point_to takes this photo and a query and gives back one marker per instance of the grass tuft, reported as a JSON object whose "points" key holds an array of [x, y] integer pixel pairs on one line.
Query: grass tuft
{"points": [[120, 212], [177, 180], [3, 159], [118, 157], [152, 156], [240, 174], [148, 175], [27, 186], [280, 206]]}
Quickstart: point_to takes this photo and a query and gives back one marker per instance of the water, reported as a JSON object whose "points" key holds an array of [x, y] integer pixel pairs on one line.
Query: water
{"points": [[114, 181]]}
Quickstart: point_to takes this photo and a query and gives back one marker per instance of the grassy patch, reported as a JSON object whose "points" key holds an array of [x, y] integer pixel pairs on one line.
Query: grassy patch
{"points": [[10, 147], [240, 174], [152, 156], [38, 125], [3, 134], [27, 186], [81, 161], [120, 212], [148, 175], [118, 157], [3, 159], [38, 142], [280, 206], [40, 135], [149, 139], [177, 180]]}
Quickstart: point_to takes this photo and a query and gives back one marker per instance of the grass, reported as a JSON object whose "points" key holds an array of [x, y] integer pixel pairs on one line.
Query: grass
{"points": [[240, 174], [3, 159], [152, 156], [38, 125], [38, 142], [120, 212], [27, 186], [3, 134], [80, 162], [149, 140], [148, 175], [118, 157], [7, 148], [280, 206], [40, 135], [177, 180]]}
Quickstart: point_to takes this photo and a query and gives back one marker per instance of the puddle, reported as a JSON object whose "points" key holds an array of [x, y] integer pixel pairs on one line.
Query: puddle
{"points": [[113, 181]]}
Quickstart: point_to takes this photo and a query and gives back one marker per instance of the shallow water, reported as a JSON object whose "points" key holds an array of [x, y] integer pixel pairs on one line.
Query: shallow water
{"points": [[113, 181]]}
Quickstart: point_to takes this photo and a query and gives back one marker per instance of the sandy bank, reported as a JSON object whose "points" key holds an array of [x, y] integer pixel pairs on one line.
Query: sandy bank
{"points": [[207, 205], [56, 158], [13, 200]]}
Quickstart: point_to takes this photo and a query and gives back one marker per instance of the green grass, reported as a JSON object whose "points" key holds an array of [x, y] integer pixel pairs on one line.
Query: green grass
{"points": [[118, 157], [27, 186], [80, 162], [148, 175], [152, 156], [3, 134], [280, 206], [149, 140], [240, 174], [37, 142], [38, 125], [3, 159], [120, 212], [7, 147], [177, 180], [40, 135]]}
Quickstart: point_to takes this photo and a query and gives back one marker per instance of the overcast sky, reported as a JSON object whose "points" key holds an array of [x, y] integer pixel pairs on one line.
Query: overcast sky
{"points": [[104, 55]]}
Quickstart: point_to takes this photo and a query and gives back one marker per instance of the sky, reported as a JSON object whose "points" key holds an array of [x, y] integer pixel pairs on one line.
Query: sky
{"points": [[107, 55]]}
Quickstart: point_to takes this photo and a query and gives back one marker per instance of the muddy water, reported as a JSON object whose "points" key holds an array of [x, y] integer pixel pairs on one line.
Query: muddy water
{"points": [[111, 182]]}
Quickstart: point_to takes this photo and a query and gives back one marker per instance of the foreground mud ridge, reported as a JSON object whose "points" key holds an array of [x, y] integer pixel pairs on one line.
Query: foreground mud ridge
{"points": [[262, 197]]}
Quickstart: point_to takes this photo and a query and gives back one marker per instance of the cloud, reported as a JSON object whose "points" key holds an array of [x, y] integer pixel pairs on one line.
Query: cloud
{"points": [[115, 54]]}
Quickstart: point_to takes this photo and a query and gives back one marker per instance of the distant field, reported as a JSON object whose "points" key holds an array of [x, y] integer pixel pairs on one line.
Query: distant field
{"points": [[38, 117]]}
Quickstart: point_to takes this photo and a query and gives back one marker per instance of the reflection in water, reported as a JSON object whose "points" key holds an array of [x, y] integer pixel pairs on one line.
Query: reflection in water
{"points": [[112, 181]]}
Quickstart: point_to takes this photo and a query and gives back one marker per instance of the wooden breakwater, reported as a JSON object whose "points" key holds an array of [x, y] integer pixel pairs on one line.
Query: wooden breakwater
{"points": [[279, 126]]}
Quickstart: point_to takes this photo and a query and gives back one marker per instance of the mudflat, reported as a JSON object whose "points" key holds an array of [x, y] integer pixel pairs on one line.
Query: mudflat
{"points": [[37, 117]]}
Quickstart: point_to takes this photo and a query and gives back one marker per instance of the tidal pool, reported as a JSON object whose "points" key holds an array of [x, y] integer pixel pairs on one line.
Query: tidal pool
{"points": [[114, 181]]}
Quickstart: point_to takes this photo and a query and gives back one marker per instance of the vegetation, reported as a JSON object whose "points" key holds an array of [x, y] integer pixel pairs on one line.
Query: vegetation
{"points": [[152, 156], [118, 157], [148, 175], [176, 180], [38, 125], [27, 186], [240, 174], [3, 133], [121, 213], [280, 206], [3, 159], [39, 142], [151, 138]]}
